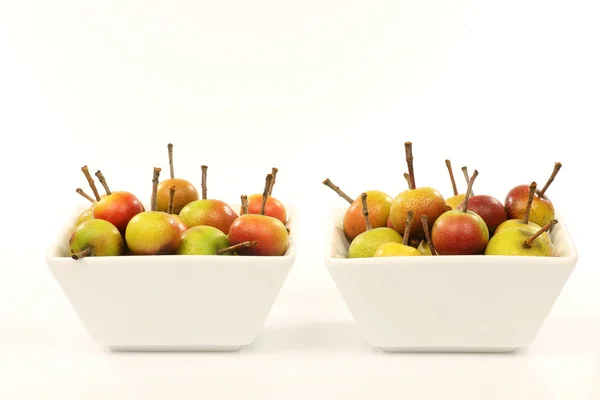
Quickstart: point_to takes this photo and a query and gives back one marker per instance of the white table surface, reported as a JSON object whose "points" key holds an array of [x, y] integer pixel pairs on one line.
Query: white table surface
{"points": [[309, 347]]}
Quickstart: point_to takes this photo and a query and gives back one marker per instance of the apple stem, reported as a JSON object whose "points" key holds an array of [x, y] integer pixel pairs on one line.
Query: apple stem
{"points": [[154, 199], [469, 189], [237, 246], [83, 253], [427, 235], [102, 181], [532, 188], [409, 162], [528, 242], [449, 166], [409, 218], [85, 195], [466, 174], [90, 180], [266, 193], [337, 189], [171, 199], [244, 199], [274, 173], [407, 177], [170, 149], [365, 211], [204, 170], [557, 167]]}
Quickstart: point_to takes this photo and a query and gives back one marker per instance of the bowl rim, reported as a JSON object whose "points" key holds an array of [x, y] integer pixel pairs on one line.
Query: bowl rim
{"points": [[54, 248], [480, 259]]}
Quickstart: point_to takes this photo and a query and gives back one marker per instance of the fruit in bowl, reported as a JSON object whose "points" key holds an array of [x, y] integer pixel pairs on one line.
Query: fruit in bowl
{"points": [[153, 232], [541, 210], [394, 249], [368, 242], [156, 232], [95, 237], [421, 201], [212, 212], [161, 286], [470, 296], [378, 204], [185, 192], [269, 233], [460, 232], [118, 208], [522, 241], [524, 222], [465, 229], [273, 207], [490, 209]]}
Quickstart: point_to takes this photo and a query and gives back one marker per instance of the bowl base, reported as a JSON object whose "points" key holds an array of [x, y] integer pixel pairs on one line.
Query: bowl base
{"points": [[448, 349], [167, 348]]}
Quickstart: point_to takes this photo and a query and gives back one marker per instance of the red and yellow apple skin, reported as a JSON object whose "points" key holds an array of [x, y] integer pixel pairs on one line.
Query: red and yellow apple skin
{"points": [[185, 193], [102, 237], [273, 208], [269, 232], [421, 201], [487, 207], [215, 213], [153, 232], [458, 233], [378, 204], [182, 227], [389, 224], [542, 210], [118, 208]]}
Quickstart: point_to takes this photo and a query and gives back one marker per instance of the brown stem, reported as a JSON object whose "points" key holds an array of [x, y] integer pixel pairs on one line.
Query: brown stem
{"points": [[266, 193], [469, 189], [528, 242], [237, 246], [90, 180], [171, 199], [449, 166], [409, 218], [557, 167], [365, 211], [170, 149], [84, 194], [337, 189], [102, 181], [83, 253], [409, 162], [532, 188], [204, 169], [154, 189], [274, 172], [466, 174], [427, 235], [407, 177], [244, 199]]}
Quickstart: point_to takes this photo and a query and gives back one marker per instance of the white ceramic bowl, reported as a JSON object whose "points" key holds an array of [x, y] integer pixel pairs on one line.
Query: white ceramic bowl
{"points": [[171, 302], [449, 303]]}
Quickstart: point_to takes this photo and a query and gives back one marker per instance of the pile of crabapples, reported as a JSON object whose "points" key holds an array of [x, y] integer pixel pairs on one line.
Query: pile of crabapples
{"points": [[419, 221], [179, 221]]}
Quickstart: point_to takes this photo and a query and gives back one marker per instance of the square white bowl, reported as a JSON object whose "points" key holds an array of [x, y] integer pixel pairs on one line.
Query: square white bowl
{"points": [[449, 303], [171, 302]]}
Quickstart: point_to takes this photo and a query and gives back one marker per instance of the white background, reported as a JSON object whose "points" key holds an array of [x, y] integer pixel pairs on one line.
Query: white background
{"points": [[328, 88]]}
